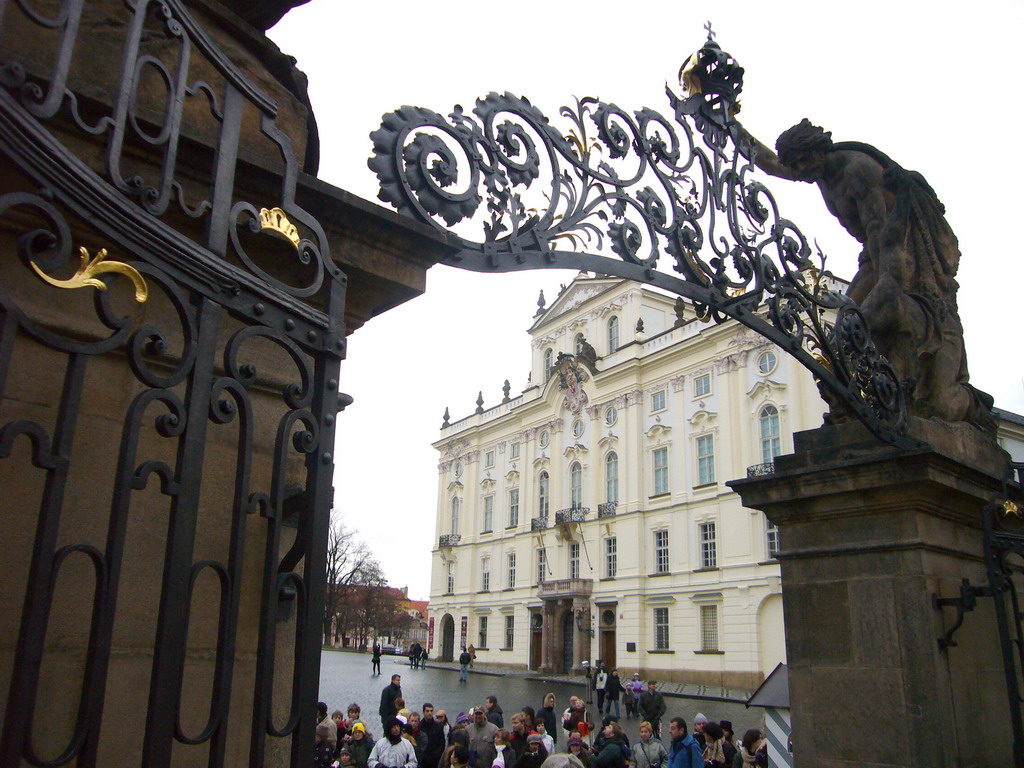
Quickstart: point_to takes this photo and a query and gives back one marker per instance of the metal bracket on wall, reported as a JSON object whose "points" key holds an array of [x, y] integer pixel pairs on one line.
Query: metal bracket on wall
{"points": [[963, 604]]}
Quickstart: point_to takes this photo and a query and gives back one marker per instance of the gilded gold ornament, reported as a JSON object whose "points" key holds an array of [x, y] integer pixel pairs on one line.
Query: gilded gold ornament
{"points": [[275, 220], [89, 268]]}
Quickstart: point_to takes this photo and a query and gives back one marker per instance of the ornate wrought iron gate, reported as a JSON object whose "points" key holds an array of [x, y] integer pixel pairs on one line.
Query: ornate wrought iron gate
{"points": [[191, 316]]}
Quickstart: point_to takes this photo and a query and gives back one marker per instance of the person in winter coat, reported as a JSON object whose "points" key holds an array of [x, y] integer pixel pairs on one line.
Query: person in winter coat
{"points": [[652, 706], [494, 713], [684, 751], [648, 752], [464, 661], [613, 750], [323, 755], [577, 720], [547, 714], [481, 739], [578, 749], [392, 751], [600, 737], [433, 729], [728, 747], [359, 745], [634, 690], [504, 757], [535, 754], [387, 708], [458, 737], [750, 748], [517, 736], [599, 683], [714, 738], [612, 691], [375, 660]]}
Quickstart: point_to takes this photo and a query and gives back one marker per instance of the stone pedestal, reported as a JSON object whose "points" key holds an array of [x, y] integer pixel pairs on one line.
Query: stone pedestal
{"points": [[868, 534]]}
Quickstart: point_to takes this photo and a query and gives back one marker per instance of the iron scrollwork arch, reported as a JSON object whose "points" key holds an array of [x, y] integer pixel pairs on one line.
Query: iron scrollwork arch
{"points": [[621, 193]]}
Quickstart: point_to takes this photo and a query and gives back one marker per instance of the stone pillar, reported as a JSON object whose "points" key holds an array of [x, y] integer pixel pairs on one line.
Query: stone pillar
{"points": [[547, 642], [868, 534]]}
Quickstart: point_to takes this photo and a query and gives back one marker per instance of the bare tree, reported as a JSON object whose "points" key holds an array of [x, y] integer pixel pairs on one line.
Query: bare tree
{"points": [[349, 562]]}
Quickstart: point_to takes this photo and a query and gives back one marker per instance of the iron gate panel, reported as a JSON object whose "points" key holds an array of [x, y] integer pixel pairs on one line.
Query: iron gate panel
{"points": [[192, 315]]}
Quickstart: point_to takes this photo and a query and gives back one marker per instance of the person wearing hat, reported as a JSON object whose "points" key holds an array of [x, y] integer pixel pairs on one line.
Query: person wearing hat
{"points": [[323, 754], [728, 746], [481, 739], [535, 754], [392, 751], [359, 744], [578, 749], [699, 721], [323, 719], [345, 758], [634, 690]]}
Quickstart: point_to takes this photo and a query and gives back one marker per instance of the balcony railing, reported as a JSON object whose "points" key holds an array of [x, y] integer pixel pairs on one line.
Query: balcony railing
{"points": [[449, 539], [760, 470], [571, 515], [539, 523], [560, 588], [607, 509]]}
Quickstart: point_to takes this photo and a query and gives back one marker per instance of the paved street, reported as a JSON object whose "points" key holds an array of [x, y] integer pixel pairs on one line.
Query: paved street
{"points": [[346, 677]]}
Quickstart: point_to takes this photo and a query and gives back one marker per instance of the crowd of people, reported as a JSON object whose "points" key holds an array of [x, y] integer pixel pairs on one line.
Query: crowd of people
{"points": [[479, 737]]}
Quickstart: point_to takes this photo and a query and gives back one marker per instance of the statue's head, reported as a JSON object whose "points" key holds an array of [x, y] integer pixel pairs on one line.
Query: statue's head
{"points": [[803, 148]]}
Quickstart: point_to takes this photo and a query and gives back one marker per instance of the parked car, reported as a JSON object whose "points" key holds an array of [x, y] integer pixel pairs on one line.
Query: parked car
{"points": [[388, 650]]}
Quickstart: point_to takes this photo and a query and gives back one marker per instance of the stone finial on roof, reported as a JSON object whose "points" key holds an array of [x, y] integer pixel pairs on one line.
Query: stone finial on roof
{"points": [[446, 422], [506, 388], [540, 304], [480, 402]]}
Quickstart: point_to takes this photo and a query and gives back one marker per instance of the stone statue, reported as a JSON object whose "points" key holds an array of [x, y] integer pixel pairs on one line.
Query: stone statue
{"points": [[906, 276]]}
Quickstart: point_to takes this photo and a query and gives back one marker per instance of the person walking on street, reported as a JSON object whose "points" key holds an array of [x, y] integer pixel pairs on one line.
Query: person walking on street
{"points": [[652, 706], [423, 657], [634, 690], [375, 661], [387, 702], [464, 661], [599, 684], [613, 690], [684, 751], [648, 752]]}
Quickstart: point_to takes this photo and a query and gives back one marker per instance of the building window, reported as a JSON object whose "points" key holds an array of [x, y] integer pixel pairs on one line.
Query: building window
{"points": [[511, 570], [577, 428], [661, 629], [544, 438], [485, 574], [611, 415], [455, 515], [661, 551], [489, 459], [660, 471], [510, 632], [488, 514], [611, 478], [658, 401], [549, 361], [613, 333], [481, 640], [702, 385], [515, 450], [611, 557], [705, 459], [543, 484], [708, 546], [766, 362], [771, 445], [773, 540], [574, 560], [709, 627], [513, 508], [542, 564], [451, 578], [576, 484]]}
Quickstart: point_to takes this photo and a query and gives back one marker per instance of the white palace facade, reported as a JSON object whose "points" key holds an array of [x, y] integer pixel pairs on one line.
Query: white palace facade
{"points": [[588, 518]]}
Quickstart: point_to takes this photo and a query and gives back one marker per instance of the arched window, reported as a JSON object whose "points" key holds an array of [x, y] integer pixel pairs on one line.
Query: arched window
{"points": [[576, 484], [455, 515], [611, 478], [549, 356], [543, 486], [771, 445], [577, 344], [613, 333]]}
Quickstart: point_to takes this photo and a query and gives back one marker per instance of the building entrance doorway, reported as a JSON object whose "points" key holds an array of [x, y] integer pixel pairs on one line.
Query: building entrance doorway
{"points": [[536, 639], [447, 638], [567, 629], [608, 648]]}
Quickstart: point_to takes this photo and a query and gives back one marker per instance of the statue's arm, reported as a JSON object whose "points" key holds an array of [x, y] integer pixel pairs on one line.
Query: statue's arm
{"points": [[762, 156]]}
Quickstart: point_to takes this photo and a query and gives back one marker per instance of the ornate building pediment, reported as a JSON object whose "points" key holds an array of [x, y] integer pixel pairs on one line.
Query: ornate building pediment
{"points": [[608, 440], [658, 433], [512, 478], [766, 389], [574, 452], [703, 419], [455, 485], [455, 448], [541, 462], [487, 485]]}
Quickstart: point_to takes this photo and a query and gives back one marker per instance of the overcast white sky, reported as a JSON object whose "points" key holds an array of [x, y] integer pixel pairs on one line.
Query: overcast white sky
{"points": [[933, 85]]}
